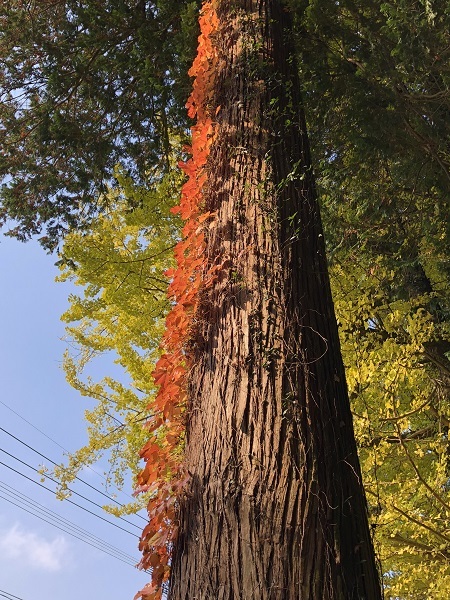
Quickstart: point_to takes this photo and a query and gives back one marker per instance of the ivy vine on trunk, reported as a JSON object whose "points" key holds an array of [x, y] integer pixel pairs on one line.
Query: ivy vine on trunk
{"points": [[274, 507]]}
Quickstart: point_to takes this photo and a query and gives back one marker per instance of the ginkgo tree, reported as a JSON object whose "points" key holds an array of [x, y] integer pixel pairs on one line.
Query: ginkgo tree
{"points": [[400, 407], [384, 184], [120, 263]]}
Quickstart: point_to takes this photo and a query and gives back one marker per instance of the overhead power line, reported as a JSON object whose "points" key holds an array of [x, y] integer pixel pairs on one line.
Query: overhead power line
{"points": [[9, 596], [59, 521], [34, 427], [69, 489], [67, 499], [131, 563], [62, 447], [78, 478]]}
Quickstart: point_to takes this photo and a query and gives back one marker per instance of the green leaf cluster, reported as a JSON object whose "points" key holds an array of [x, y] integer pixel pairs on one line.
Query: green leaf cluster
{"points": [[377, 96], [401, 413], [84, 86], [119, 264]]}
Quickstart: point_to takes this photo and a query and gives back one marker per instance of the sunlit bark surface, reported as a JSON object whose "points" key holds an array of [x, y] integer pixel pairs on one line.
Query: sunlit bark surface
{"points": [[275, 508]]}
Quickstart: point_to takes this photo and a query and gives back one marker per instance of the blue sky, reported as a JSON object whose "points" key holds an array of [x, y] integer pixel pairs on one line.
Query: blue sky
{"points": [[38, 561]]}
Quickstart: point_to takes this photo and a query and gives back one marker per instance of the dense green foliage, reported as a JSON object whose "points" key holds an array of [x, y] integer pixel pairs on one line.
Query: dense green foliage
{"points": [[377, 94], [120, 264], [84, 86]]}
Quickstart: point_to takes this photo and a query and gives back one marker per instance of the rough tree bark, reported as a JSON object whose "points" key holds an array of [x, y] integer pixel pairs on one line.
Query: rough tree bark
{"points": [[275, 508]]}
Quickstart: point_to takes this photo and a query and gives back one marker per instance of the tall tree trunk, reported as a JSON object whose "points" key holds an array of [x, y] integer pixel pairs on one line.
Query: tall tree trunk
{"points": [[276, 508]]}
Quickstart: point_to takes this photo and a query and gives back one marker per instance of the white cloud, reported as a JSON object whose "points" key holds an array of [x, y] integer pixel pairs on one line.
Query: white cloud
{"points": [[33, 550]]}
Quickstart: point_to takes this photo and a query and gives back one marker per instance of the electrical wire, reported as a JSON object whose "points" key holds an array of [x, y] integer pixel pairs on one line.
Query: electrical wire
{"points": [[9, 596], [78, 478], [34, 427], [62, 447], [65, 531], [165, 586], [67, 499], [69, 489], [66, 523], [72, 534]]}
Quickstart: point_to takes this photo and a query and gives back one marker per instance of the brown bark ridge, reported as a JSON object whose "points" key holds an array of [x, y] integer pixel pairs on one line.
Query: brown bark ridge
{"points": [[275, 508]]}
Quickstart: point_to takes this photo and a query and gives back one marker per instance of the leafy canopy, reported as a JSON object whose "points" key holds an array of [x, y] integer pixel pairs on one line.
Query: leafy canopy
{"points": [[120, 264], [377, 98], [84, 86]]}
